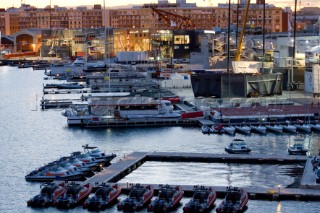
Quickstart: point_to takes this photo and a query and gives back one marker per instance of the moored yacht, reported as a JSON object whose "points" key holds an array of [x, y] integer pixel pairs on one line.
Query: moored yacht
{"points": [[303, 127], [259, 129], [244, 129], [289, 127], [229, 130], [315, 126], [275, 128], [297, 149]]}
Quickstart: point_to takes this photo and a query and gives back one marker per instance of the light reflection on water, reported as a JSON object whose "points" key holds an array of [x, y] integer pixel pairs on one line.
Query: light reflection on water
{"points": [[31, 138], [211, 174]]}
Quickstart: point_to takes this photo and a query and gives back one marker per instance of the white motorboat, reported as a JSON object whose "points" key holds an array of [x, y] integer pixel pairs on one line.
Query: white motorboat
{"points": [[315, 127], [275, 128], [244, 129], [290, 128], [260, 129], [297, 149], [229, 129], [303, 127], [238, 146]]}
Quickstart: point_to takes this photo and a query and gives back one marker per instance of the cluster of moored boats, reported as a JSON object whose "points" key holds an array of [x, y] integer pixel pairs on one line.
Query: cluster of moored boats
{"points": [[261, 129], [74, 167], [70, 195]]}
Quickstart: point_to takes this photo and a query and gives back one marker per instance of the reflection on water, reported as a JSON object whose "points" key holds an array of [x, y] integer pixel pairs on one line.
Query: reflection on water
{"points": [[212, 174]]}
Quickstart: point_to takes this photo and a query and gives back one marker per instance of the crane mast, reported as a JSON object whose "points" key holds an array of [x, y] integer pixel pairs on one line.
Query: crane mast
{"points": [[239, 48]]}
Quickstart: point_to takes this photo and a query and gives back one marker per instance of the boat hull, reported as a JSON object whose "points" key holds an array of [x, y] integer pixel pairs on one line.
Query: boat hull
{"points": [[233, 151]]}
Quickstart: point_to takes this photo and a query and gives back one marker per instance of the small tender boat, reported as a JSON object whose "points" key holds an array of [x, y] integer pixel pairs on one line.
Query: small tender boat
{"points": [[104, 196], [229, 129], [297, 149], [259, 129], [74, 195], [244, 129], [49, 193], [138, 198], [206, 129], [238, 146], [275, 128], [303, 127], [168, 199], [235, 201], [202, 200], [52, 173]]}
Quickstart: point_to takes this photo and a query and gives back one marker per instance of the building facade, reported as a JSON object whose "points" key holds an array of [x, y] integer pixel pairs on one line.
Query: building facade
{"points": [[162, 16]]}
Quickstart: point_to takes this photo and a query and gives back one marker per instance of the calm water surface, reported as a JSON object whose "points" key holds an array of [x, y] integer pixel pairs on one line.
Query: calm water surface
{"points": [[31, 137]]}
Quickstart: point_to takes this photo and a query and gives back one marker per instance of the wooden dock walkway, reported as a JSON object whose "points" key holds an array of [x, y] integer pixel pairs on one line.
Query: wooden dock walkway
{"points": [[117, 171]]}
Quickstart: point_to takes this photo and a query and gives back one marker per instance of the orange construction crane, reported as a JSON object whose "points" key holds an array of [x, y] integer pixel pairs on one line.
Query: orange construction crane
{"points": [[239, 49], [174, 21]]}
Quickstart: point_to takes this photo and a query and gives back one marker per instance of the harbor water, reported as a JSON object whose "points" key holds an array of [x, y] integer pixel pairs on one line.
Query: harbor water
{"points": [[31, 137]]}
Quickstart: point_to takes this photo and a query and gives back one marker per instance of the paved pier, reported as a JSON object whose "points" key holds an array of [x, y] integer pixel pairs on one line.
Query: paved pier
{"points": [[119, 169]]}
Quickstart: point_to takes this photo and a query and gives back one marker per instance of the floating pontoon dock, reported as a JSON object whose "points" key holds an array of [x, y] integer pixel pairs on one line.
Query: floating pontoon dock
{"points": [[128, 163]]}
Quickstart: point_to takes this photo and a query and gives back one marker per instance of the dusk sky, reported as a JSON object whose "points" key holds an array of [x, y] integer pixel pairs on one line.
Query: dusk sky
{"points": [[111, 3]]}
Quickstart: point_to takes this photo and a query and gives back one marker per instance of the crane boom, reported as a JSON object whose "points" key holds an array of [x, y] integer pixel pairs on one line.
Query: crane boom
{"points": [[239, 48], [174, 21]]}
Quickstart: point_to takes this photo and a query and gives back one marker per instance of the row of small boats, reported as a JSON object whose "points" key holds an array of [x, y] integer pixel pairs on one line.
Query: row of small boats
{"points": [[74, 167], [70, 195], [262, 129], [238, 146]]}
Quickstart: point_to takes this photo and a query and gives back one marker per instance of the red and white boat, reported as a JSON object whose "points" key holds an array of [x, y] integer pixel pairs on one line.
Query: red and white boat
{"points": [[49, 193], [202, 200], [169, 198], [74, 195], [138, 198], [235, 201], [104, 196]]}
